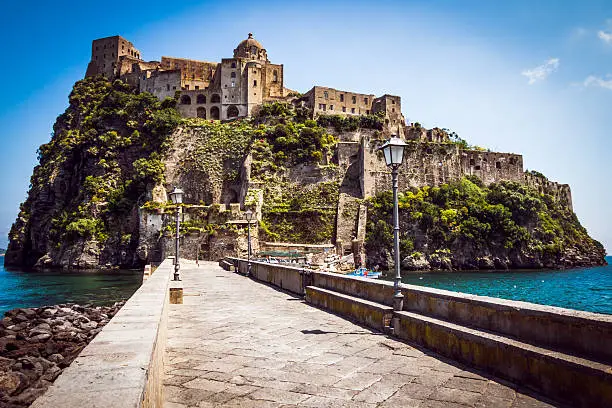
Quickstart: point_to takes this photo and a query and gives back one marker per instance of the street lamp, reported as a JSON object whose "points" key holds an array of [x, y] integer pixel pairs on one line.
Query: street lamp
{"points": [[177, 198], [394, 155], [249, 216]]}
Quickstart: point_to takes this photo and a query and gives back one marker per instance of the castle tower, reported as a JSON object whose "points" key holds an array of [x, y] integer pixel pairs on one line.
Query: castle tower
{"points": [[251, 49], [107, 53]]}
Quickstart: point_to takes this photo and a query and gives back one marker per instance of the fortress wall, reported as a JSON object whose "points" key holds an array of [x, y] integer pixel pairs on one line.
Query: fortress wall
{"points": [[561, 192], [162, 84], [339, 102], [273, 83], [492, 167]]}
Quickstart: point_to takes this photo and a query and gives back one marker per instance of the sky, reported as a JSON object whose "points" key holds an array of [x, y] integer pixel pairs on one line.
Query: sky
{"points": [[522, 76]]}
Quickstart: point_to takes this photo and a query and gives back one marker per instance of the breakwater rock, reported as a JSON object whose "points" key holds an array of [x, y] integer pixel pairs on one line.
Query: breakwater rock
{"points": [[36, 344]]}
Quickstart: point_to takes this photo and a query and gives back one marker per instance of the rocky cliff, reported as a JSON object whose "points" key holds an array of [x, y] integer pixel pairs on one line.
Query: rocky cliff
{"points": [[466, 225]]}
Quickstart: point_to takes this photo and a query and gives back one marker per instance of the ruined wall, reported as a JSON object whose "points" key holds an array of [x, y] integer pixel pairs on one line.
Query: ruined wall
{"points": [[331, 101], [193, 73], [561, 192], [162, 84], [105, 55], [273, 81], [391, 107], [434, 164]]}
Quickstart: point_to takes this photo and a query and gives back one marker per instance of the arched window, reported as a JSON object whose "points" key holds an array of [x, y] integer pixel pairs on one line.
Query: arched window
{"points": [[215, 98], [214, 112], [232, 112], [233, 65], [185, 100], [201, 112], [233, 75], [201, 99], [274, 76], [326, 95]]}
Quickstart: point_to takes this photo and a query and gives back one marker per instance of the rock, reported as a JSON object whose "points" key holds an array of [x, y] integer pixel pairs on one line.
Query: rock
{"points": [[28, 396], [52, 373], [12, 382], [56, 358], [5, 364], [89, 326], [416, 262], [485, 262], [43, 328], [39, 338]]}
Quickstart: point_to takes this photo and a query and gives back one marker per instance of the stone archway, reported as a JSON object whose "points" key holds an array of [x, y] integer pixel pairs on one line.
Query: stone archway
{"points": [[232, 112], [201, 112], [215, 98], [185, 100], [214, 113]]}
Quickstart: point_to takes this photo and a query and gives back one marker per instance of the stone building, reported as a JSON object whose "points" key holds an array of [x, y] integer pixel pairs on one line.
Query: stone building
{"points": [[212, 90]]}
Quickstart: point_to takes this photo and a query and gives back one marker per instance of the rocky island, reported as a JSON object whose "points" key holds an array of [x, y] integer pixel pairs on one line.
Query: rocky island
{"points": [[233, 137]]}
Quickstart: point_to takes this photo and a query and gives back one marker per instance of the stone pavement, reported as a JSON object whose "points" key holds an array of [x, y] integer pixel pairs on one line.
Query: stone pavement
{"points": [[239, 343]]}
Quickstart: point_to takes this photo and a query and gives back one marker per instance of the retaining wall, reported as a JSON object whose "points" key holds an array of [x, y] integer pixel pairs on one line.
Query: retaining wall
{"points": [[123, 364]]}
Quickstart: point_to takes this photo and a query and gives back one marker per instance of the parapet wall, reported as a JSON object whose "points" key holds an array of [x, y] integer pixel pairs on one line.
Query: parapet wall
{"points": [[576, 332], [123, 364]]}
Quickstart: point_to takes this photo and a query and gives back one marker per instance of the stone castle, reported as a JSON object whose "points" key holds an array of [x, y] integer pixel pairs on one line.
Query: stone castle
{"points": [[236, 87]]}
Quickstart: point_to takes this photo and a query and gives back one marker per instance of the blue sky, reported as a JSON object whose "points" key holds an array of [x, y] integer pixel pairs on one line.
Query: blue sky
{"points": [[531, 77]]}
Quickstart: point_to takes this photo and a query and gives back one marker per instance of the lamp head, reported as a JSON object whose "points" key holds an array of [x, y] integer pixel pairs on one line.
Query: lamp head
{"points": [[248, 215], [393, 150], [177, 195]]}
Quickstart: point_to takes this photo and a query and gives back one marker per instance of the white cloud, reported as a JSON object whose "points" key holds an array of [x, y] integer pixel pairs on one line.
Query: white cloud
{"points": [[541, 72], [597, 81], [605, 36]]}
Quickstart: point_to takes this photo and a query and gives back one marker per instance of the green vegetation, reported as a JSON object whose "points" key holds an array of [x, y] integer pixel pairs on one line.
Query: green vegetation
{"points": [[351, 123], [105, 150], [467, 217]]}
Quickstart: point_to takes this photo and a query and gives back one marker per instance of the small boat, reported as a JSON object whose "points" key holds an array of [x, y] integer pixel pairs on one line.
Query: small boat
{"points": [[365, 273]]}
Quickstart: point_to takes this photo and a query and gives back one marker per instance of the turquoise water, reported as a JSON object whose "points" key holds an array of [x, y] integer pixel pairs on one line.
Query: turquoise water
{"points": [[20, 288], [587, 289]]}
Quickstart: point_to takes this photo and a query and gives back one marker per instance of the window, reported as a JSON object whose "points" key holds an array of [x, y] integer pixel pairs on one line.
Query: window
{"points": [[472, 162], [477, 168], [365, 100], [352, 110], [354, 98], [254, 83], [187, 87], [367, 112], [185, 100], [341, 97], [215, 98], [174, 87], [344, 109], [326, 95], [233, 75], [201, 99], [498, 165], [104, 55], [274, 76], [233, 84], [144, 76], [96, 57], [167, 87], [393, 101], [392, 109], [331, 107], [322, 106], [233, 65]]}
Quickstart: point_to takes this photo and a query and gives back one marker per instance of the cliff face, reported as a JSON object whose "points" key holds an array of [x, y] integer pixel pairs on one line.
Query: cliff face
{"points": [[104, 155], [465, 225]]}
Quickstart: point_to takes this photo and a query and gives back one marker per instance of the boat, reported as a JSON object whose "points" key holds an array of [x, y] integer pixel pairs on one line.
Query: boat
{"points": [[365, 273]]}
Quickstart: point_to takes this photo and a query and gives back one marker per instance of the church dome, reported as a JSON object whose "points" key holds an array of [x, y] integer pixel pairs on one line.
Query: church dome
{"points": [[250, 48]]}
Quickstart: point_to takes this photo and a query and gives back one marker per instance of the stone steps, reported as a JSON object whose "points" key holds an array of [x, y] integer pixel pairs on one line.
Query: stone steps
{"points": [[362, 311], [558, 375]]}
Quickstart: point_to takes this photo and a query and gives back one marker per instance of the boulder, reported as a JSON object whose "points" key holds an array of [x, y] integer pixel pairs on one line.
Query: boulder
{"points": [[416, 262], [12, 382]]}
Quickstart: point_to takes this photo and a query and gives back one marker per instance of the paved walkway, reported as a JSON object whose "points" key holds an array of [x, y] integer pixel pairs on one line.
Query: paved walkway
{"points": [[238, 343]]}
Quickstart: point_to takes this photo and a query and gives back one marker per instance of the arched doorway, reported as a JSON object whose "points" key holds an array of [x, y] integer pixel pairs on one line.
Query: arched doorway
{"points": [[214, 112], [185, 100], [232, 112], [201, 112]]}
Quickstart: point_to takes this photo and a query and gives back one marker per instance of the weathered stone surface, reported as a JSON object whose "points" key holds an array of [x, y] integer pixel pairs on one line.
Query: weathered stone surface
{"points": [[286, 353]]}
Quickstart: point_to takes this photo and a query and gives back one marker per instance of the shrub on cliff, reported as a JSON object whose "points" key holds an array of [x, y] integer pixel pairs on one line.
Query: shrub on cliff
{"points": [[104, 151], [504, 220]]}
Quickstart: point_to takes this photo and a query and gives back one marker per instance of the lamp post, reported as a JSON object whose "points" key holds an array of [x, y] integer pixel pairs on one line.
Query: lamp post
{"points": [[394, 155], [249, 216], [177, 198]]}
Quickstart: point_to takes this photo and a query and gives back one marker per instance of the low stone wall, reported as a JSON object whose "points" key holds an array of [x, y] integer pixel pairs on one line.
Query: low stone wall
{"points": [[582, 333], [285, 277], [123, 364]]}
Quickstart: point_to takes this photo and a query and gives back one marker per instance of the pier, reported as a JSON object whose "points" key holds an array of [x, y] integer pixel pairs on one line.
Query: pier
{"points": [[289, 337]]}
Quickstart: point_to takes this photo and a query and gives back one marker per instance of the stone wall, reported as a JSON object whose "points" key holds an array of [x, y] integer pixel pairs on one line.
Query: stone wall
{"points": [[561, 192], [123, 364]]}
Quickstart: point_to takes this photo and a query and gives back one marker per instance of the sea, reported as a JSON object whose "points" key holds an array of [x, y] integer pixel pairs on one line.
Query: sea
{"points": [[588, 289], [30, 288]]}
